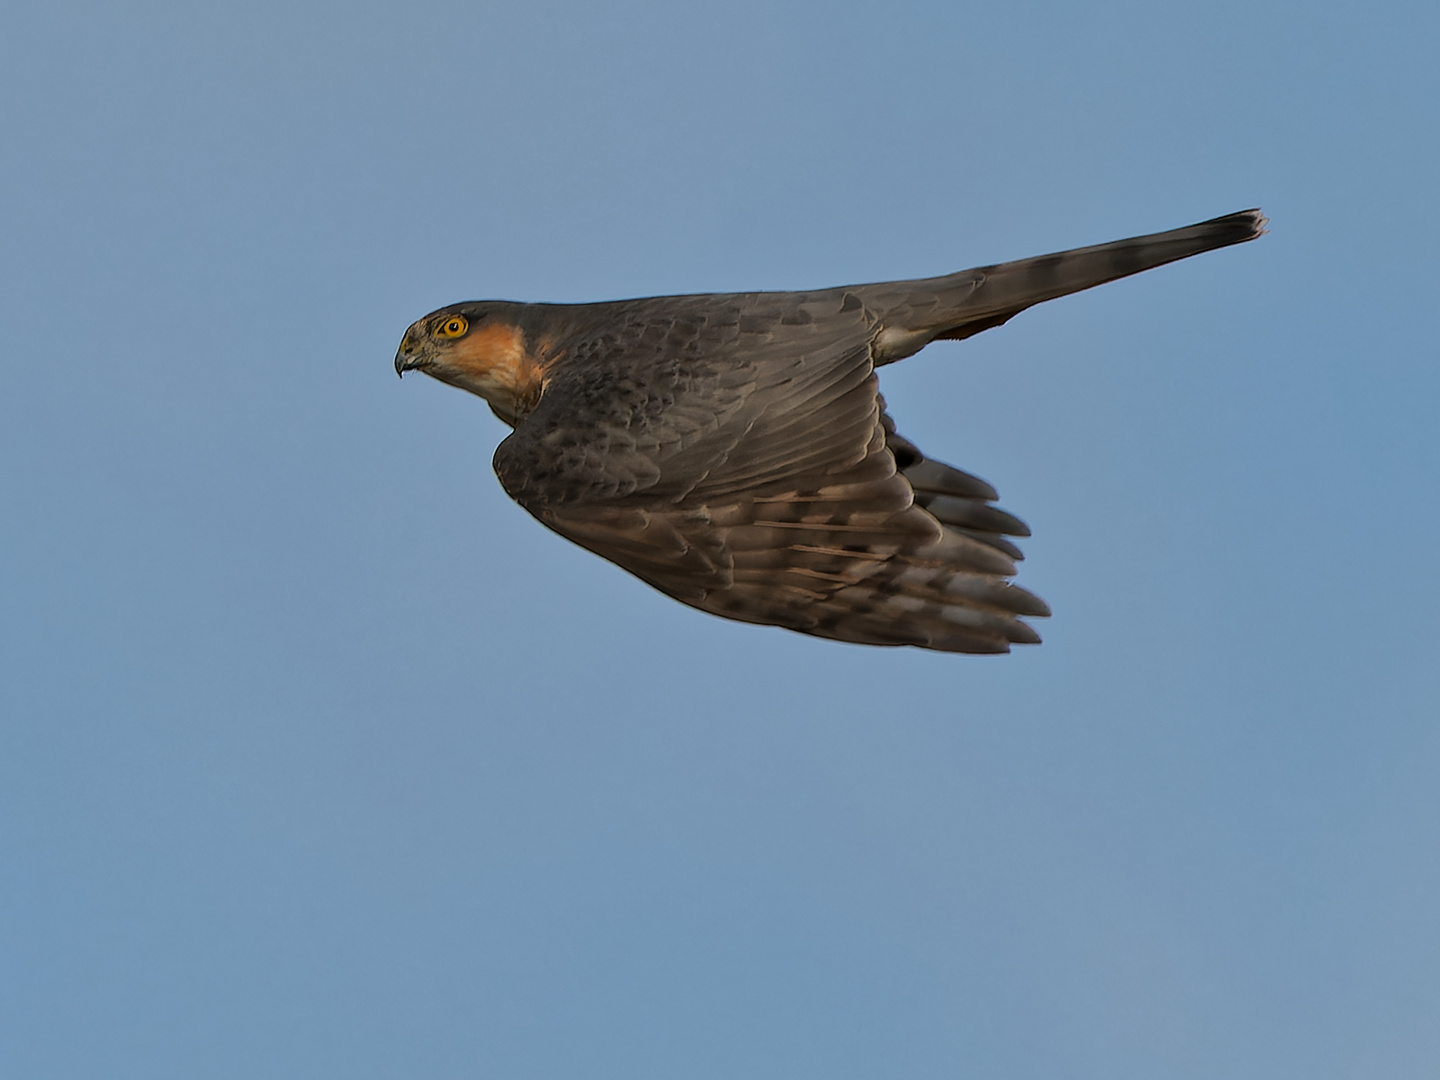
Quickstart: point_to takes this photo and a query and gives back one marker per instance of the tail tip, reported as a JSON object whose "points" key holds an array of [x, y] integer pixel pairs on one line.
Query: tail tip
{"points": [[1259, 223]]}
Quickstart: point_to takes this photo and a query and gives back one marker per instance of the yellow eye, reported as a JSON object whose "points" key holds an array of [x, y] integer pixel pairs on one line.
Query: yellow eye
{"points": [[452, 327]]}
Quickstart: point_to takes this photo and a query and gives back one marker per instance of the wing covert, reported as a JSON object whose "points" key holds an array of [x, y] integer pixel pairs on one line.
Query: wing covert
{"points": [[752, 473]]}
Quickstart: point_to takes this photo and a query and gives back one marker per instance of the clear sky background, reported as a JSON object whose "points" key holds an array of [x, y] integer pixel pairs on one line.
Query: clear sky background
{"points": [[320, 758]]}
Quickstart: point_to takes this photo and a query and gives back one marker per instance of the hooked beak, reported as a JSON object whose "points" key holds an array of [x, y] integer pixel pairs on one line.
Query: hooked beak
{"points": [[406, 359]]}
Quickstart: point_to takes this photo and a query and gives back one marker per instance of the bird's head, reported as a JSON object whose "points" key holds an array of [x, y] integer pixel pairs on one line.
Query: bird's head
{"points": [[477, 346]]}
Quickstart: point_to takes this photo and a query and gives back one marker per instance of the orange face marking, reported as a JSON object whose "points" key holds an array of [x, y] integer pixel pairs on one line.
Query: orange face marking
{"points": [[492, 361], [488, 350]]}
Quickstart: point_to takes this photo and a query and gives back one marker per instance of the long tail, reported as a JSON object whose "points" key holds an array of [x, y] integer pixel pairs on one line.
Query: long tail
{"points": [[956, 306]]}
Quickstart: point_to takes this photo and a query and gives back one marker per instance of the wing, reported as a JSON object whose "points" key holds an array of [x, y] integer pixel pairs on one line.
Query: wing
{"points": [[735, 454]]}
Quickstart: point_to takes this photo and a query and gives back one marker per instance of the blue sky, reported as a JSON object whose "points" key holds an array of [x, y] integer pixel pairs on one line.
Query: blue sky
{"points": [[320, 758]]}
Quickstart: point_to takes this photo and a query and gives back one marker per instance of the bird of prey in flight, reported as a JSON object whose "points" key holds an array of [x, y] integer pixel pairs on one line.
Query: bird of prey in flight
{"points": [[733, 449]]}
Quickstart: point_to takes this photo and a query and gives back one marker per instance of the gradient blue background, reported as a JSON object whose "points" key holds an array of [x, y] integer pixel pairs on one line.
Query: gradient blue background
{"points": [[320, 758]]}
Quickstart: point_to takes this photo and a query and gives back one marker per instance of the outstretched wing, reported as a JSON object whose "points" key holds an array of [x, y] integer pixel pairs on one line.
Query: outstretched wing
{"points": [[735, 454]]}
